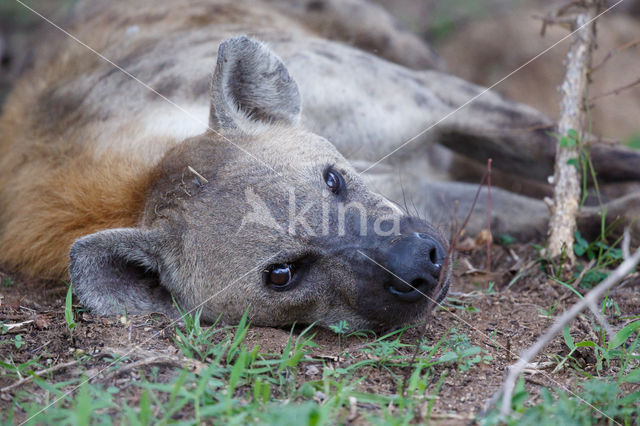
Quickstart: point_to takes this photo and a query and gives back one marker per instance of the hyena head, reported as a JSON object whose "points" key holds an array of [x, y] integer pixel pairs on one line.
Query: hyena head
{"points": [[259, 214]]}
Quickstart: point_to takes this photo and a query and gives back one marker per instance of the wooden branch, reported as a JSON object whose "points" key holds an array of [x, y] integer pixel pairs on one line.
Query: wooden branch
{"points": [[39, 373], [614, 91], [566, 199], [159, 359], [628, 45], [589, 299]]}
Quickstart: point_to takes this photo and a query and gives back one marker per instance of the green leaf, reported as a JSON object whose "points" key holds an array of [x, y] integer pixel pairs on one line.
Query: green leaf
{"points": [[520, 396], [574, 162], [568, 340], [449, 356], [83, 405], [506, 240], [581, 245], [632, 377], [567, 142], [572, 134], [68, 309], [18, 342], [241, 333], [236, 371], [145, 408], [622, 335]]}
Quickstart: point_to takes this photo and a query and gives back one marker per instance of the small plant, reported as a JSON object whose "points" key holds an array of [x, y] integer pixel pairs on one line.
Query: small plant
{"points": [[459, 348], [68, 311], [196, 341], [463, 305], [506, 240], [18, 341], [549, 311], [7, 282], [340, 328], [10, 369], [489, 290]]}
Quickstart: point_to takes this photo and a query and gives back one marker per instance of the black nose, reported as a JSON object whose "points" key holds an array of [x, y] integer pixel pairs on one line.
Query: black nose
{"points": [[414, 263]]}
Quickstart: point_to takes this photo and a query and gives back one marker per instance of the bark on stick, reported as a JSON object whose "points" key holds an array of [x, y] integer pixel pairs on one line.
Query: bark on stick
{"points": [[566, 197]]}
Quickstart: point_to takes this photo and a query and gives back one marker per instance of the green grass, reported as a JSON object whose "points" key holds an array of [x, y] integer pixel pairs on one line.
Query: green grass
{"points": [[243, 385], [68, 312], [240, 384], [609, 394]]}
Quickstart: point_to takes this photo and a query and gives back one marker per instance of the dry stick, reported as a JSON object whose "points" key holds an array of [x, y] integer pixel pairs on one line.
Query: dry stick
{"points": [[590, 298], [626, 243], [159, 359], [556, 16], [614, 91], [602, 320], [566, 192], [39, 373], [632, 43], [443, 273], [594, 309], [490, 236]]}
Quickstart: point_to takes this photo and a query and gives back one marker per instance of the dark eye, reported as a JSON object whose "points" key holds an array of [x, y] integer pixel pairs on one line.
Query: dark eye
{"points": [[279, 276], [334, 180]]}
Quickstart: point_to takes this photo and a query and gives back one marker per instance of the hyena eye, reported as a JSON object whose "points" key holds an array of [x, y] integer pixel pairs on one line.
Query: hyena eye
{"points": [[279, 276], [334, 180]]}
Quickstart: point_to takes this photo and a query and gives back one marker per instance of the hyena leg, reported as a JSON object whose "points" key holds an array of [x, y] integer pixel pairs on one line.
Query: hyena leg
{"points": [[446, 204], [365, 25], [621, 213], [523, 217]]}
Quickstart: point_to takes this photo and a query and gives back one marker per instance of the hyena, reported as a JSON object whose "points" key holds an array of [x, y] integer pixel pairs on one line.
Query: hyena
{"points": [[230, 162]]}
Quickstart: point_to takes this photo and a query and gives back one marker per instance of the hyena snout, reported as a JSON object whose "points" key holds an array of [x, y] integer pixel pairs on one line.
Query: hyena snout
{"points": [[414, 263]]}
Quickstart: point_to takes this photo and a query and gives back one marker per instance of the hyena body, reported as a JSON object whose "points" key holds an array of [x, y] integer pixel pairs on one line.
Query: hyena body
{"points": [[151, 170]]}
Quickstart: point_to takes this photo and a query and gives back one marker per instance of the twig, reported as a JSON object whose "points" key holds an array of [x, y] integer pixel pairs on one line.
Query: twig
{"points": [[159, 359], [632, 43], [582, 273], [39, 373], [594, 309], [601, 319], [589, 299], [451, 416], [626, 242], [614, 91], [555, 17], [10, 327]]}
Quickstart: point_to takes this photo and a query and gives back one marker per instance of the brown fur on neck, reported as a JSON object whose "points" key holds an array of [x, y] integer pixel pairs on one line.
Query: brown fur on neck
{"points": [[47, 213]]}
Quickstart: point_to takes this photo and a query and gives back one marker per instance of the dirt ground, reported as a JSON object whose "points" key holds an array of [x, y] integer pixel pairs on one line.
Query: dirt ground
{"points": [[501, 319]]}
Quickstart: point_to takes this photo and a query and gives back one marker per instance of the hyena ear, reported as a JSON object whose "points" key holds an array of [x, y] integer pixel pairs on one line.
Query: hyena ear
{"points": [[251, 85], [117, 271]]}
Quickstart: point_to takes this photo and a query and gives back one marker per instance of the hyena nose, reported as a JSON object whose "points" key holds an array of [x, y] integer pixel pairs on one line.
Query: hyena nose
{"points": [[414, 262]]}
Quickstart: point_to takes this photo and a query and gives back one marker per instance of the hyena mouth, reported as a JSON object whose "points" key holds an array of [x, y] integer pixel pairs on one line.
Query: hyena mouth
{"points": [[412, 292]]}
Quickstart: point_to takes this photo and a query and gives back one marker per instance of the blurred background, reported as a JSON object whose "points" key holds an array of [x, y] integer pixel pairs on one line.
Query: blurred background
{"points": [[479, 40]]}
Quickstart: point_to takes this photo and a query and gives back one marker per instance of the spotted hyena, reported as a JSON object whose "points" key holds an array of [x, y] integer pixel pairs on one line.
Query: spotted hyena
{"points": [[224, 155]]}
